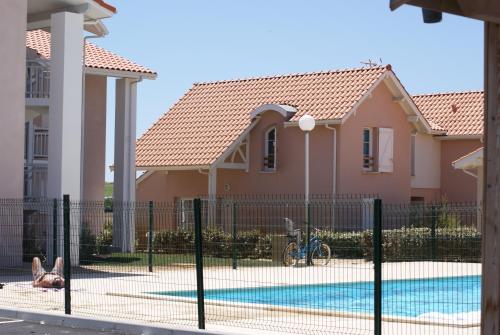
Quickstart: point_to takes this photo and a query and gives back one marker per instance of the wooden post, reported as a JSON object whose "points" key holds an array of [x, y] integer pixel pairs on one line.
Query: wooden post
{"points": [[491, 225]]}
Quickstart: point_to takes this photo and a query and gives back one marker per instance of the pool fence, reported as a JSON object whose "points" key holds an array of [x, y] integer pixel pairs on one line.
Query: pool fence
{"points": [[279, 263]]}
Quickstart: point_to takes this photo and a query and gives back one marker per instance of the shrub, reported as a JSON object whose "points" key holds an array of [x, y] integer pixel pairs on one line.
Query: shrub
{"points": [[405, 244], [418, 244], [88, 243], [104, 239], [344, 244]]}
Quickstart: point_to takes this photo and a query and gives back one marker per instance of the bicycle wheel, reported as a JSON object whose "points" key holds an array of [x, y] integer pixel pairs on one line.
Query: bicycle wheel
{"points": [[290, 254], [321, 255]]}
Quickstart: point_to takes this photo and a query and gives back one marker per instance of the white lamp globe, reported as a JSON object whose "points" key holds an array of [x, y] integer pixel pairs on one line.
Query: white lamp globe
{"points": [[307, 123]]}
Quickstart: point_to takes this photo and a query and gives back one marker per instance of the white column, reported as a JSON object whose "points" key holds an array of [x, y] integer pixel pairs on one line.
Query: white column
{"points": [[124, 166], [65, 116], [65, 111]]}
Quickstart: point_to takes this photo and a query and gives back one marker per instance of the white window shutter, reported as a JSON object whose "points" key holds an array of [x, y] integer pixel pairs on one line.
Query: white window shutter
{"points": [[385, 150]]}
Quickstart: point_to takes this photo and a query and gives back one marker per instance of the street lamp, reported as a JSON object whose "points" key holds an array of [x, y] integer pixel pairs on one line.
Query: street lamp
{"points": [[306, 124]]}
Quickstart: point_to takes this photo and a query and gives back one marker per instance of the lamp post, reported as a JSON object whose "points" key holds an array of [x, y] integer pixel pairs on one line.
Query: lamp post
{"points": [[306, 124]]}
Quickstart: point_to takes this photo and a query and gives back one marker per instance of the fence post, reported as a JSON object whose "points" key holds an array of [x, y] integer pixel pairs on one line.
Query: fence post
{"points": [[55, 214], [199, 263], [67, 256], [234, 246], [433, 233], [377, 262], [150, 238], [308, 235]]}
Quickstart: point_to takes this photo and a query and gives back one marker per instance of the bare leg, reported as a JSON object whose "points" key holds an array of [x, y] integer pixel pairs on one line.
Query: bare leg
{"points": [[58, 266], [37, 268]]}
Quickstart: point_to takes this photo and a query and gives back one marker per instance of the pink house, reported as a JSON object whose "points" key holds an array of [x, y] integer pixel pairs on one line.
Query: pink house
{"points": [[371, 137]]}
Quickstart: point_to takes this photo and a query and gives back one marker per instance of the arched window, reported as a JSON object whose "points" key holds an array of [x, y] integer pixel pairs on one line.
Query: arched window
{"points": [[270, 150]]}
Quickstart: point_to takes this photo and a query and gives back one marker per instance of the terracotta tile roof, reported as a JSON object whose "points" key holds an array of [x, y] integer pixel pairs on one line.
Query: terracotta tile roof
{"points": [[95, 57], [459, 113], [203, 123]]}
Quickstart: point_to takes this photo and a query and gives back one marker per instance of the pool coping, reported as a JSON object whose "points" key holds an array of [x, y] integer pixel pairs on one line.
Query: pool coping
{"points": [[297, 310]]}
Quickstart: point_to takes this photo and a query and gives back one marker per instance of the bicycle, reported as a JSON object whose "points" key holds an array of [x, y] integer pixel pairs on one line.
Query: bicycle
{"points": [[294, 252]]}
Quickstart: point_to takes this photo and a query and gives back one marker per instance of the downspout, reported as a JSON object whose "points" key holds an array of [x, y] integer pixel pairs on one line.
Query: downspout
{"points": [[334, 169], [334, 172]]}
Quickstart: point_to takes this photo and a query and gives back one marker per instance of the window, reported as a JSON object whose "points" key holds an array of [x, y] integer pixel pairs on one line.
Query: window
{"points": [[368, 161], [270, 150], [413, 155], [378, 149]]}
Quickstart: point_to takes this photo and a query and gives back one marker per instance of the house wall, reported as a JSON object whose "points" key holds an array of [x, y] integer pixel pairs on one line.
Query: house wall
{"points": [[426, 183], [166, 187], [12, 112], [12, 96], [456, 186], [377, 111], [289, 175], [94, 138]]}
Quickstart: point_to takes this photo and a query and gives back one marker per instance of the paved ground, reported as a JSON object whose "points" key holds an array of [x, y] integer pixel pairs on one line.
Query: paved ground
{"points": [[124, 293], [19, 327]]}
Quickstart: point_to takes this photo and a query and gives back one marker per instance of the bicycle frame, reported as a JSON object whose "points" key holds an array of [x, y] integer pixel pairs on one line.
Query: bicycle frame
{"points": [[313, 243]]}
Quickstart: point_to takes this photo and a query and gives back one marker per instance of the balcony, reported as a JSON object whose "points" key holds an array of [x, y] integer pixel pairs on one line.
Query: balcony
{"points": [[36, 156], [41, 144], [35, 181], [37, 83]]}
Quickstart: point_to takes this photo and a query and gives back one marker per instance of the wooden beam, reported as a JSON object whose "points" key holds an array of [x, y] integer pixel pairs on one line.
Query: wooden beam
{"points": [[490, 310], [486, 10]]}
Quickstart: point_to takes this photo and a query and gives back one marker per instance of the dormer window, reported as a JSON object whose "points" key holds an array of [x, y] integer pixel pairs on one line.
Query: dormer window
{"points": [[270, 150]]}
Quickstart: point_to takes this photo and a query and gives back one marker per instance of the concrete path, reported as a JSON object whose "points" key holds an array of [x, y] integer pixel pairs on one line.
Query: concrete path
{"points": [[20, 327]]}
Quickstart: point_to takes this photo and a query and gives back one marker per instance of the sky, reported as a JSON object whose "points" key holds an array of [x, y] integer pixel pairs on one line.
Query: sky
{"points": [[189, 41]]}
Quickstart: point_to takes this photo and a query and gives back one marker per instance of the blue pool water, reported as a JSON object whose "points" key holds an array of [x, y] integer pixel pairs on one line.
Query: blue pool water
{"points": [[408, 298]]}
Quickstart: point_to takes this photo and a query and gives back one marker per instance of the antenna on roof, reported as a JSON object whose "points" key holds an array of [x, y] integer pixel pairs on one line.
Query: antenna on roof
{"points": [[371, 63]]}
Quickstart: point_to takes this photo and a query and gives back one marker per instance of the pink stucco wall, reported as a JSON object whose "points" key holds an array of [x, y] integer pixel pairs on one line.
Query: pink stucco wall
{"points": [[289, 175], [94, 138], [12, 96], [377, 111], [12, 111], [456, 186]]}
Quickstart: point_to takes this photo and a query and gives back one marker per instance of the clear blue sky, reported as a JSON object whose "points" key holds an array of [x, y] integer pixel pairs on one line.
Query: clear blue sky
{"points": [[189, 41]]}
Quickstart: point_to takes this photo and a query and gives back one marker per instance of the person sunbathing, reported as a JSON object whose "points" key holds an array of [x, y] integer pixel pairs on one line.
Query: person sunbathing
{"points": [[44, 279]]}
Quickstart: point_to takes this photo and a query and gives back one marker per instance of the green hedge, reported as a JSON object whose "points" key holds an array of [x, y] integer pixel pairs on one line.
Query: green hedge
{"points": [[217, 243], [406, 244], [418, 244]]}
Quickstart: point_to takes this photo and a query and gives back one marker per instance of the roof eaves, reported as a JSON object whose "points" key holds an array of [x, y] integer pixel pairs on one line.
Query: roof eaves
{"points": [[119, 73], [106, 5]]}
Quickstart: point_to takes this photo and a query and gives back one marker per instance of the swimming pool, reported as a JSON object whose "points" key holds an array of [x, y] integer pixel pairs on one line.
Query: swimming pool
{"points": [[405, 298]]}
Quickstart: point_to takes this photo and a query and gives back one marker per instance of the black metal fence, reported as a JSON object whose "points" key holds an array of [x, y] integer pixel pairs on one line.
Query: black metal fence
{"points": [[344, 265]]}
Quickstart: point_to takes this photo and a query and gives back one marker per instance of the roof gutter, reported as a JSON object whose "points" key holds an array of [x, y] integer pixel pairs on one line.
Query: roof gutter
{"points": [[119, 73], [318, 123], [458, 137]]}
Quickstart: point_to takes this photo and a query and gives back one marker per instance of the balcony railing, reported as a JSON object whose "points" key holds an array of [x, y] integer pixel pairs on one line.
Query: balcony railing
{"points": [[37, 80], [41, 143], [35, 181]]}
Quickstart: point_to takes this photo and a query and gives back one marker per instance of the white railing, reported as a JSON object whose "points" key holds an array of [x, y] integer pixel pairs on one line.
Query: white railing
{"points": [[35, 181], [37, 80], [41, 143]]}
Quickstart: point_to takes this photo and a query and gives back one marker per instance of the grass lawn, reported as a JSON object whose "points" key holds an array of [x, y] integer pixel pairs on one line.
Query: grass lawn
{"points": [[141, 260], [108, 190]]}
